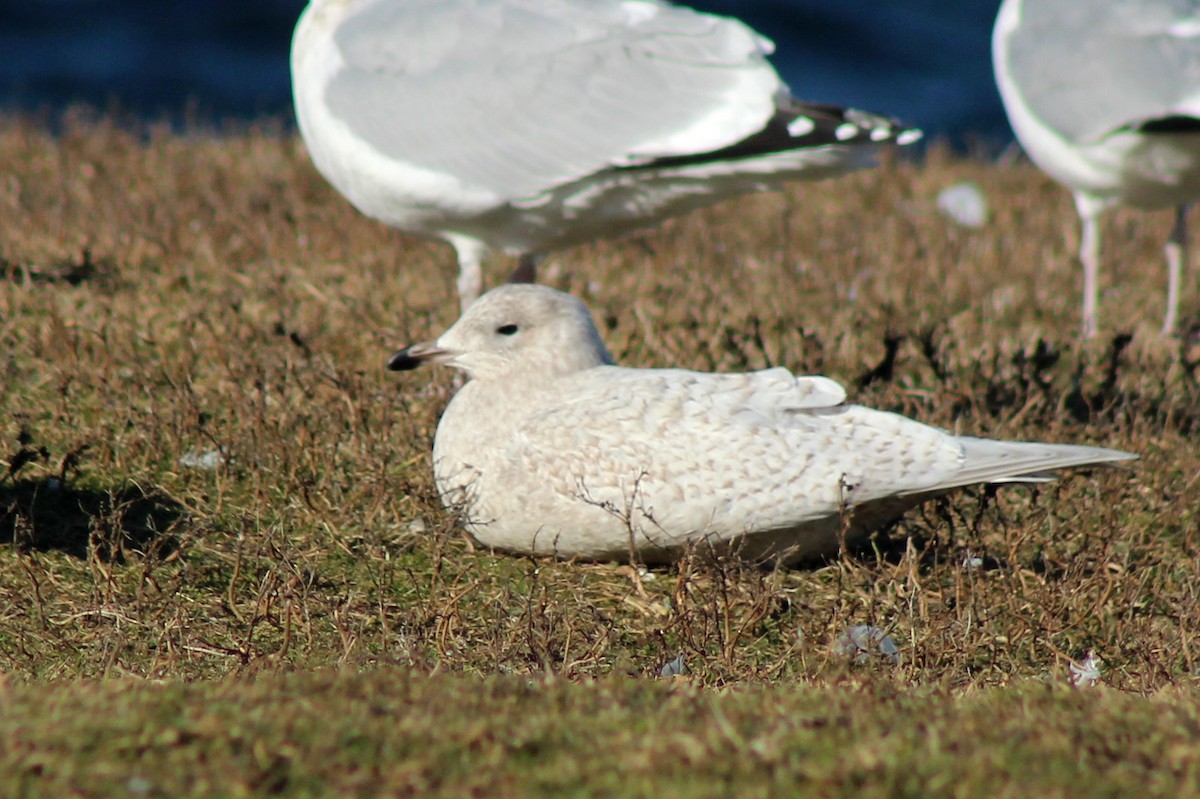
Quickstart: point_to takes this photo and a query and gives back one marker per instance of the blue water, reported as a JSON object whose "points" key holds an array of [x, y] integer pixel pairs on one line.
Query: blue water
{"points": [[925, 61]]}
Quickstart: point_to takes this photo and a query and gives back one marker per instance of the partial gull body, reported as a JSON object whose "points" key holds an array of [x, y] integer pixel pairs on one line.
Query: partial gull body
{"points": [[531, 125], [551, 449], [1104, 95]]}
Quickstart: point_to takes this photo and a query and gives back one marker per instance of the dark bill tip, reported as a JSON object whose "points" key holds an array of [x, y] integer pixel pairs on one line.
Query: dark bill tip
{"points": [[403, 361]]}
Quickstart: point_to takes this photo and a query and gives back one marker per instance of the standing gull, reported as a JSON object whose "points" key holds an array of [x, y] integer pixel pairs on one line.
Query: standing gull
{"points": [[550, 449], [1104, 95], [532, 125]]}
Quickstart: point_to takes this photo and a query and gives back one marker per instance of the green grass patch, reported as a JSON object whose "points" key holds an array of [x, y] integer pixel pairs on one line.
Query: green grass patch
{"points": [[401, 733]]}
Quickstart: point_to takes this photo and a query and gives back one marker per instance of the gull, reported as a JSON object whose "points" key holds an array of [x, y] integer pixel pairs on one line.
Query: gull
{"points": [[551, 449], [1104, 96], [526, 126]]}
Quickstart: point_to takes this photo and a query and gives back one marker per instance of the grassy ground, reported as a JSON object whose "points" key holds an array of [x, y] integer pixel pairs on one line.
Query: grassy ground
{"points": [[224, 569]]}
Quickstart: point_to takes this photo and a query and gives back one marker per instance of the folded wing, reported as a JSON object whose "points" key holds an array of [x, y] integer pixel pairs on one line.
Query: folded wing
{"points": [[518, 96]]}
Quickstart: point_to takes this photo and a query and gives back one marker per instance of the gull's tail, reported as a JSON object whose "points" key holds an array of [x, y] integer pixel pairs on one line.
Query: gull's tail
{"points": [[988, 461]]}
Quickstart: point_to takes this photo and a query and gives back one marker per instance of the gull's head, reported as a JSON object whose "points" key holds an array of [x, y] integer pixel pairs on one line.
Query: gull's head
{"points": [[514, 328]]}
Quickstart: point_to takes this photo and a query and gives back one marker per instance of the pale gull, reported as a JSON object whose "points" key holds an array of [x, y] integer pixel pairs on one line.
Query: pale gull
{"points": [[1104, 96], [551, 449], [526, 126]]}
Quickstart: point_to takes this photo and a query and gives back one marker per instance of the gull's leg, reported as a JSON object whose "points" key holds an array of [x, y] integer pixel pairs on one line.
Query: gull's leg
{"points": [[526, 271], [470, 269], [1176, 251], [1089, 255]]}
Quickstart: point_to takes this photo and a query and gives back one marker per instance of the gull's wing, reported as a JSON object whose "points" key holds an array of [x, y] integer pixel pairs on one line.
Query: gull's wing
{"points": [[730, 452], [522, 95], [760, 450], [1089, 67]]}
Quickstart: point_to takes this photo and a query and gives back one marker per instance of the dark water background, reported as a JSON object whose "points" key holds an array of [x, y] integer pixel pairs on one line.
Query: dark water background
{"points": [[925, 61]]}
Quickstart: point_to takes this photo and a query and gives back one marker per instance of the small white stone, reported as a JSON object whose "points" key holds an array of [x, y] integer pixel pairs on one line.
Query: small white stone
{"points": [[863, 643], [204, 461], [673, 668], [965, 204], [139, 785], [1087, 673]]}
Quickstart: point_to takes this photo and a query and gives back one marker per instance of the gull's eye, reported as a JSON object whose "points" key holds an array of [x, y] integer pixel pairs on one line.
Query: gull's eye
{"points": [[507, 330]]}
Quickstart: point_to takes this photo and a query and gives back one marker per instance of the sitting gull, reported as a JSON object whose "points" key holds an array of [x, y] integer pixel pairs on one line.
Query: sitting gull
{"points": [[550, 449], [532, 125], [1105, 97]]}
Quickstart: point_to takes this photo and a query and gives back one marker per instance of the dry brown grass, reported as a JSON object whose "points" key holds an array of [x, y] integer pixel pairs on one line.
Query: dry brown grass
{"points": [[164, 296]]}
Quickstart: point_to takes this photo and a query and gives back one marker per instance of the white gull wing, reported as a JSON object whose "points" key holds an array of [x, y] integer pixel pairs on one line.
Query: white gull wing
{"points": [[1087, 68], [516, 96], [786, 447]]}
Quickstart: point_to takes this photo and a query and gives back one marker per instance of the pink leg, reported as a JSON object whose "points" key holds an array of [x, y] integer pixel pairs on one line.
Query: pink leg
{"points": [[1176, 252], [1089, 256], [471, 253], [526, 271]]}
